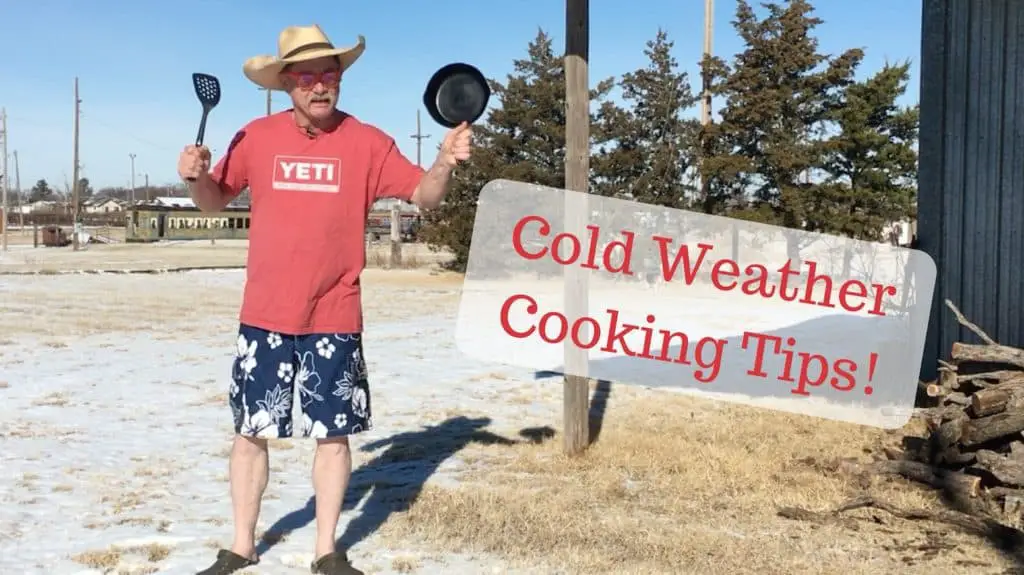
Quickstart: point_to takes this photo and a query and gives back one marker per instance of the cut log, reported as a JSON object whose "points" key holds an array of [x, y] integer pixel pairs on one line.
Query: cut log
{"points": [[984, 527], [989, 402], [948, 380], [933, 416], [978, 431], [988, 354], [1002, 492], [953, 456], [1006, 397], [935, 390], [1007, 471], [949, 433], [958, 398], [999, 376], [944, 446], [955, 483], [1017, 449]]}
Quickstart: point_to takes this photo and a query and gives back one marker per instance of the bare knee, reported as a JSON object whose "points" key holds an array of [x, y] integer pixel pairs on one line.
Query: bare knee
{"points": [[249, 447], [332, 446]]}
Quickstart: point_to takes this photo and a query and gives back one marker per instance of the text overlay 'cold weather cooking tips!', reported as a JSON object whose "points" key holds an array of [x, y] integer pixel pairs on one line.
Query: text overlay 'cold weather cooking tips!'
{"points": [[564, 282]]}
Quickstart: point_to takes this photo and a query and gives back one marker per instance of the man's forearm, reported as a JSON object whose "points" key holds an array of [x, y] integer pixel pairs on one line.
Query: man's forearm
{"points": [[207, 194], [433, 187]]}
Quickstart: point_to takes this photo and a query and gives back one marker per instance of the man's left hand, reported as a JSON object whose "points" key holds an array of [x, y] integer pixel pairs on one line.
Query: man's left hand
{"points": [[456, 146]]}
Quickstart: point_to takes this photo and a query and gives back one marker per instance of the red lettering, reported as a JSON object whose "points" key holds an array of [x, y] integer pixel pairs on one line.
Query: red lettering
{"points": [[668, 271], [561, 330], [531, 308], [717, 272], [809, 361], [618, 336], [844, 368], [574, 249], [517, 237], [762, 340], [812, 278], [577, 332], [566, 248]]}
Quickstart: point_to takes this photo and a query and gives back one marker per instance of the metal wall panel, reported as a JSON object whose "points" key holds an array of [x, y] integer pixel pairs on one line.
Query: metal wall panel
{"points": [[971, 174]]}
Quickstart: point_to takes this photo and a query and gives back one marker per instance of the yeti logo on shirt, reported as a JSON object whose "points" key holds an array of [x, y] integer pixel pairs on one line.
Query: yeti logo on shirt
{"points": [[306, 174]]}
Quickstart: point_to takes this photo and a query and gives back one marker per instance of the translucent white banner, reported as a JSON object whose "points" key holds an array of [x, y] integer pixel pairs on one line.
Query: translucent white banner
{"points": [[611, 289]]}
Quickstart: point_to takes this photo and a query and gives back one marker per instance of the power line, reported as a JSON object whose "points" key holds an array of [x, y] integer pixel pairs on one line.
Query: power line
{"points": [[419, 136]]}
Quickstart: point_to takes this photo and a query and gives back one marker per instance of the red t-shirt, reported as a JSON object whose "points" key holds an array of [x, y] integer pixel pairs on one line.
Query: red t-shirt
{"points": [[310, 200]]}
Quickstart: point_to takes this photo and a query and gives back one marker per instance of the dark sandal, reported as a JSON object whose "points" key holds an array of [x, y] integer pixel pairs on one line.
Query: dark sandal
{"points": [[334, 564], [227, 563]]}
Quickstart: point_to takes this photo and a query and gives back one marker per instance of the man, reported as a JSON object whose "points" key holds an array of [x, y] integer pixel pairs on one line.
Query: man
{"points": [[314, 173]]}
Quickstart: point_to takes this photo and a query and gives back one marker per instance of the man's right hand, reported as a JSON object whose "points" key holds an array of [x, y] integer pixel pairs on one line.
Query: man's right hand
{"points": [[193, 162]]}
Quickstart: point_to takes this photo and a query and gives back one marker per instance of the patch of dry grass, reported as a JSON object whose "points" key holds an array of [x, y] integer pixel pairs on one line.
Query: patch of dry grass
{"points": [[108, 560], [177, 305], [24, 236], [102, 560], [118, 257], [404, 564], [683, 485], [180, 254]]}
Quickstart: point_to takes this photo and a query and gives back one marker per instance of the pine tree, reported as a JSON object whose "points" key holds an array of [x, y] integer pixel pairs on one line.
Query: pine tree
{"points": [[778, 93], [653, 146], [872, 161]]}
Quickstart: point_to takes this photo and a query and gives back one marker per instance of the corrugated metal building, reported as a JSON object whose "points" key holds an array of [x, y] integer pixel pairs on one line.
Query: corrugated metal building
{"points": [[971, 198]]}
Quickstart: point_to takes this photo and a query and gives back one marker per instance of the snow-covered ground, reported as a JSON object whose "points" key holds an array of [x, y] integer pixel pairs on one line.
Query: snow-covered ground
{"points": [[113, 445]]}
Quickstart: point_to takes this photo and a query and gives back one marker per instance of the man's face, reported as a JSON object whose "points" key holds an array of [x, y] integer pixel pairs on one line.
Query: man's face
{"points": [[313, 86]]}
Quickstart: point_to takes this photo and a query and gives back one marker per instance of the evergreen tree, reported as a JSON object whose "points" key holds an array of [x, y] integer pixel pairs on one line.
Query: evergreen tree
{"points": [[41, 192], [653, 146], [778, 93], [522, 139], [872, 161]]}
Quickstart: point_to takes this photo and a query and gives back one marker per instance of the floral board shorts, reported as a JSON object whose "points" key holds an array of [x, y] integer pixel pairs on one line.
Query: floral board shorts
{"points": [[324, 373]]}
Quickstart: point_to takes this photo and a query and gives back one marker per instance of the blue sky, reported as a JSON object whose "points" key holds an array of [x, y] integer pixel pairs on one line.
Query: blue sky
{"points": [[134, 61]]}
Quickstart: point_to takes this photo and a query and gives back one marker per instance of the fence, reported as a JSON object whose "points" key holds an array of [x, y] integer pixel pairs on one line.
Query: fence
{"points": [[112, 219]]}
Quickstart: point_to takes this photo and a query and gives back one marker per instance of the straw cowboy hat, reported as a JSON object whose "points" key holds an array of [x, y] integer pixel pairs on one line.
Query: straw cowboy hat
{"points": [[298, 44]]}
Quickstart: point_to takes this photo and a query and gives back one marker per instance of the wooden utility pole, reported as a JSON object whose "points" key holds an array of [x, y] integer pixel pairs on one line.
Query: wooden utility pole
{"points": [[419, 136], [576, 390], [270, 100], [396, 235], [74, 171], [131, 159], [7, 175], [17, 189], [705, 99]]}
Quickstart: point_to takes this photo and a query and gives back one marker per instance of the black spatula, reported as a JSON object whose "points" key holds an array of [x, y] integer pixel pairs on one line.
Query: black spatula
{"points": [[208, 91]]}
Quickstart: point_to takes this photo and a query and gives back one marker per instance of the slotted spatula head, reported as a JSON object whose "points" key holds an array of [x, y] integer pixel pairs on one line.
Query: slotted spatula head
{"points": [[207, 89]]}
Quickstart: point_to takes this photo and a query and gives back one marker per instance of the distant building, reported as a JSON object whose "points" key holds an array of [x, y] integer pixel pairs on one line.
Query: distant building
{"points": [[169, 202], [44, 207], [102, 206], [385, 206]]}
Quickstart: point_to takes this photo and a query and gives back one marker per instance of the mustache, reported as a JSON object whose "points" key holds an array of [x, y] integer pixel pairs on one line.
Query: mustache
{"points": [[316, 98]]}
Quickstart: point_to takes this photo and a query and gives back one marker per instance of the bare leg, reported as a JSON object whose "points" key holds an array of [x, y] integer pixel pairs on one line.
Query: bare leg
{"points": [[332, 467], [250, 470]]}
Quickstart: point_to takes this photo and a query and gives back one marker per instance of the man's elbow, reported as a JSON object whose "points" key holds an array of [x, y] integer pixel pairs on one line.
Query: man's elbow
{"points": [[211, 197], [423, 202]]}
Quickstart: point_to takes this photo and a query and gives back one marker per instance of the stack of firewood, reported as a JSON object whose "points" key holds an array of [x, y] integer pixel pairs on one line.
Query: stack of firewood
{"points": [[977, 429], [973, 449]]}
